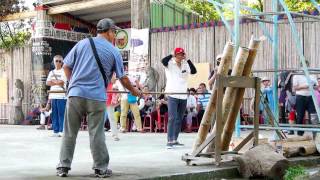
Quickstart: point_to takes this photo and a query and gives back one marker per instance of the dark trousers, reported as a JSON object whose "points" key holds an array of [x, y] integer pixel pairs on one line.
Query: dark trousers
{"points": [[176, 110], [303, 104], [283, 114], [57, 116], [200, 115]]}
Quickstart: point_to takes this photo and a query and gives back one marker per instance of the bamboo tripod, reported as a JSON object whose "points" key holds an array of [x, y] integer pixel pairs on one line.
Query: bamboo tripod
{"points": [[235, 82], [221, 83]]}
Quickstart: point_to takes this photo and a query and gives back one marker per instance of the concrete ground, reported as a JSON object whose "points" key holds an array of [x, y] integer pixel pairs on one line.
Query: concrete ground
{"points": [[27, 153]]}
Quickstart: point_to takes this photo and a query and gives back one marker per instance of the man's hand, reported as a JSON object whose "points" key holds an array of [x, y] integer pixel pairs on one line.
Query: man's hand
{"points": [[127, 84], [136, 92]]}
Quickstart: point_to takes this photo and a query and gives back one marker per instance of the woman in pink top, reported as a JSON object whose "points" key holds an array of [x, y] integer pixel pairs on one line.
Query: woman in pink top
{"points": [[110, 109]]}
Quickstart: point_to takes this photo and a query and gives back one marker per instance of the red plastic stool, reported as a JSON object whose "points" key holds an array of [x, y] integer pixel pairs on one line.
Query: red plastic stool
{"points": [[147, 122]]}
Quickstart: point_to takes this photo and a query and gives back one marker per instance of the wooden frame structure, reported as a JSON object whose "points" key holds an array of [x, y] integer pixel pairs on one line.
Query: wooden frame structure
{"points": [[235, 82]]}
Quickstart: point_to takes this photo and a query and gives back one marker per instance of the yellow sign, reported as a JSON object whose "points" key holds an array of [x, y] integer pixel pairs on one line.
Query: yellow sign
{"points": [[203, 71], [3, 90]]}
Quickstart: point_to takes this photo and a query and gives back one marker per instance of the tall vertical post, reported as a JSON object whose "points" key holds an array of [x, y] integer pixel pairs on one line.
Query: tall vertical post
{"points": [[140, 14], [41, 56], [236, 13], [275, 50]]}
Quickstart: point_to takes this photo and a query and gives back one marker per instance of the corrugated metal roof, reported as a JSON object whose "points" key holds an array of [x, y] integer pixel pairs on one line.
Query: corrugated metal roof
{"points": [[119, 11]]}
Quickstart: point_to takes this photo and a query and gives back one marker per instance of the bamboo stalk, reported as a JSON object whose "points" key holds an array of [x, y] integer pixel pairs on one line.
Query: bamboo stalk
{"points": [[211, 107], [253, 46], [126, 92], [230, 94], [230, 124]]}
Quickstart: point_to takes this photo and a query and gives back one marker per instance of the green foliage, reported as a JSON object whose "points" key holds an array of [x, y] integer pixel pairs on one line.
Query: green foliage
{"points": [[15, 40], [203, 8], [294, 172], [11, 6], [300, 5], [11, 34], [208, 12]]}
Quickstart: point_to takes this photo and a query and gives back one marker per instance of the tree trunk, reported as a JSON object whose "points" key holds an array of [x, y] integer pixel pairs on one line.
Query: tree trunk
{"points": [[262, 160], [307, 149], [226, 135], [211, 107], [298, 148], [299, 138]]}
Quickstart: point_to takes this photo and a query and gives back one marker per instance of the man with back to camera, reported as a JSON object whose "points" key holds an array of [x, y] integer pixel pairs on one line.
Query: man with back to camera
{"points": [[177, 69], [86, 94]]}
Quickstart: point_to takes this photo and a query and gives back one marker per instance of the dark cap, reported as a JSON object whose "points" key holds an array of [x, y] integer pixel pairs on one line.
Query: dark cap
{"points": [[105, 25]]}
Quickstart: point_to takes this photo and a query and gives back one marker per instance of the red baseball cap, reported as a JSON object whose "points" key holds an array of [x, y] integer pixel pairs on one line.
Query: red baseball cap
{"points": [[179, 50]]}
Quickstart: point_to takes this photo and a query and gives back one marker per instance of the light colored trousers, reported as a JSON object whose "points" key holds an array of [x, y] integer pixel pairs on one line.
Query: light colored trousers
{"points": [[112, 121], [75, 109], [43, 116], [124, 113]]}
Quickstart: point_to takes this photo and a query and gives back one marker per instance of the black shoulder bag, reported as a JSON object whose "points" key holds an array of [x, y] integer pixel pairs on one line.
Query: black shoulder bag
{"points": [[94, 50]]}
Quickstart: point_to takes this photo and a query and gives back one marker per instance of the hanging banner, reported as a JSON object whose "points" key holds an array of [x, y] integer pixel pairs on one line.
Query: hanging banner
{"points": [[139, 59]]}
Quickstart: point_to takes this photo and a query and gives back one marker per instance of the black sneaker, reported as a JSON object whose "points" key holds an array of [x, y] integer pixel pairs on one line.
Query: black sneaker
{"points": [[62, 171], [177, 144], [103, 174]]}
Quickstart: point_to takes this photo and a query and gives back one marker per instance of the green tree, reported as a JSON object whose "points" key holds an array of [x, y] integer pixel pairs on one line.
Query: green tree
{"points": [[11, 6], [300, 5], [10, 33], [203, 8], [207, 12]]}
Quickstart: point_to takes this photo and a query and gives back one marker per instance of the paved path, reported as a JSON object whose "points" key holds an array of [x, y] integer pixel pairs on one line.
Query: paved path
{"points": [[27, 153]]}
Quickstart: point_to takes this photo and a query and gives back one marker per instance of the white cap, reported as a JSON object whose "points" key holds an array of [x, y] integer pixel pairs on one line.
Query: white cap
{"points": [[265, 79]]}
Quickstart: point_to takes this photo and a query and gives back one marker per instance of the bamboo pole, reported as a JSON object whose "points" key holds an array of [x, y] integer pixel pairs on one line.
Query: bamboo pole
{"points": [[126, 92], [230, 94], [230, 124], [211, 107]]}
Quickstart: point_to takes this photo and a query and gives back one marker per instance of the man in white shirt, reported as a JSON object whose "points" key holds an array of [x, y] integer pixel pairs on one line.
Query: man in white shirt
{"points": [[57, 81], [304, 100], [177, 69]]}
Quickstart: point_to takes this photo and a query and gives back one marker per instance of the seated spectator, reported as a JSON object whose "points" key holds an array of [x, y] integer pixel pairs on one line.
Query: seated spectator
{"points": [[203, 100], [45, 111], [191, 108], [32, 115], [146, 103], [162, 103]]}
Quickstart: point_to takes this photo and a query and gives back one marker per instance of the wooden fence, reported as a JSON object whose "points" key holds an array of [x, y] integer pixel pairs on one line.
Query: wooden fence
{"points": [[17, 65], [204, 44]]}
